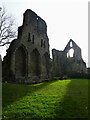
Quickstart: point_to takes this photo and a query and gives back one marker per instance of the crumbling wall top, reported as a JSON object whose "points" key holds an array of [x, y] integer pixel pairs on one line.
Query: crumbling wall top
{"points": [[54, 51], [32, 19], [29, 17]]}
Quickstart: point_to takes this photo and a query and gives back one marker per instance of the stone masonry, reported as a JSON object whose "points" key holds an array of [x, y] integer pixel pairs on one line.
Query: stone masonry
{"points": [[68, 62], [28, 56]]}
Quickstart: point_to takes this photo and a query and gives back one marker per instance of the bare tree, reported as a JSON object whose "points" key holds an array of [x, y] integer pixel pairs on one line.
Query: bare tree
{"points": [[7, 31]]}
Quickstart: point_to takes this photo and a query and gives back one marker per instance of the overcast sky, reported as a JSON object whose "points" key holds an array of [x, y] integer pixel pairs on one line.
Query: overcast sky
{"points": [[66, 19]]}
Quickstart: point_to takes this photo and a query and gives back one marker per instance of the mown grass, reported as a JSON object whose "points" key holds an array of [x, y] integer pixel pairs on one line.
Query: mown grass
{"points": [[47, 100]]}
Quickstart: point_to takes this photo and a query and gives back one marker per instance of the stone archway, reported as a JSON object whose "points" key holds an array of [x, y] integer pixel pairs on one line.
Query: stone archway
{"points": [[20, 62], [35, 63]]}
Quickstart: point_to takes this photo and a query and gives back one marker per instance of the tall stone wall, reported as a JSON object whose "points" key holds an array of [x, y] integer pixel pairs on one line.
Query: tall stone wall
{"points": [[57, 63], [68, 62], [28, 56]]}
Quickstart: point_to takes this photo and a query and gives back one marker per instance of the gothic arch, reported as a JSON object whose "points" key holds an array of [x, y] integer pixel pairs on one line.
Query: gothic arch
{"points": [[21, 62], [35, 63], [70, 53]]}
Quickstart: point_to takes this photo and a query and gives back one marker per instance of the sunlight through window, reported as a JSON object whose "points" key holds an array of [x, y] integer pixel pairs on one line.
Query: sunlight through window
{"points": [[70, 53], [71, 44]]}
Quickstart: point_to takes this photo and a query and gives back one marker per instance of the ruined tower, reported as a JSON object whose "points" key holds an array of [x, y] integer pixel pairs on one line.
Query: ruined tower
{"points": [[28, 56]]}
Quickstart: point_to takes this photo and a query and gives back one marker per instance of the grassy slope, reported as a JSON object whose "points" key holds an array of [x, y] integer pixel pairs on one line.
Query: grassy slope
{"points": [[54, 99]]}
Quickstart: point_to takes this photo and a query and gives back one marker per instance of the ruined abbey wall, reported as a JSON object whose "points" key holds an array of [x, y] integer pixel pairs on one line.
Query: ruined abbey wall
{"points": [[28, 56], [68, 64]]}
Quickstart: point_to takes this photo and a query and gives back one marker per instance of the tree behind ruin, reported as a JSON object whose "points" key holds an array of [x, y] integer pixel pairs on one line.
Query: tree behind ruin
{"points": [[7, 28]]}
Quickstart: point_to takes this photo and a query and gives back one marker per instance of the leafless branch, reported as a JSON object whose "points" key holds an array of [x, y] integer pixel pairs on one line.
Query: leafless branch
{"points": [[7, 31]]}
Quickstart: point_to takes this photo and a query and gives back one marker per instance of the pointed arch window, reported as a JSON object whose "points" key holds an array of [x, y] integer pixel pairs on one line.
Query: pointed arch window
{"points": [[71, 45], [70, 53]]}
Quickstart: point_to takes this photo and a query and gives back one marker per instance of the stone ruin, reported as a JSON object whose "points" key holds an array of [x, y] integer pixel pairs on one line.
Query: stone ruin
{"points": [[28, 57], [68, 62]]}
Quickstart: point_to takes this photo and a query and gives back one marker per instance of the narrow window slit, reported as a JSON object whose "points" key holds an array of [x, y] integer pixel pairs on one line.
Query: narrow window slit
{"points": [[29, 37]]}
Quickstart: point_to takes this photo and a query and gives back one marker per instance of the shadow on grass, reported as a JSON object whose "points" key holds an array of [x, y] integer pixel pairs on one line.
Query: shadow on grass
{"points": [[19, 91], [73, 106], [75, 101]]}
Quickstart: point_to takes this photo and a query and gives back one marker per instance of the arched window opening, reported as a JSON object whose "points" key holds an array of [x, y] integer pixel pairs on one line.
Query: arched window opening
{"points": [[70, 53], [20, 62], [71, 45], [67, 55], [36, 61]]}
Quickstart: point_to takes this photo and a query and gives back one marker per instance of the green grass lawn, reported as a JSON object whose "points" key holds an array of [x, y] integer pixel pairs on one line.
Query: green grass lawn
{"points": [[47, 100]]}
